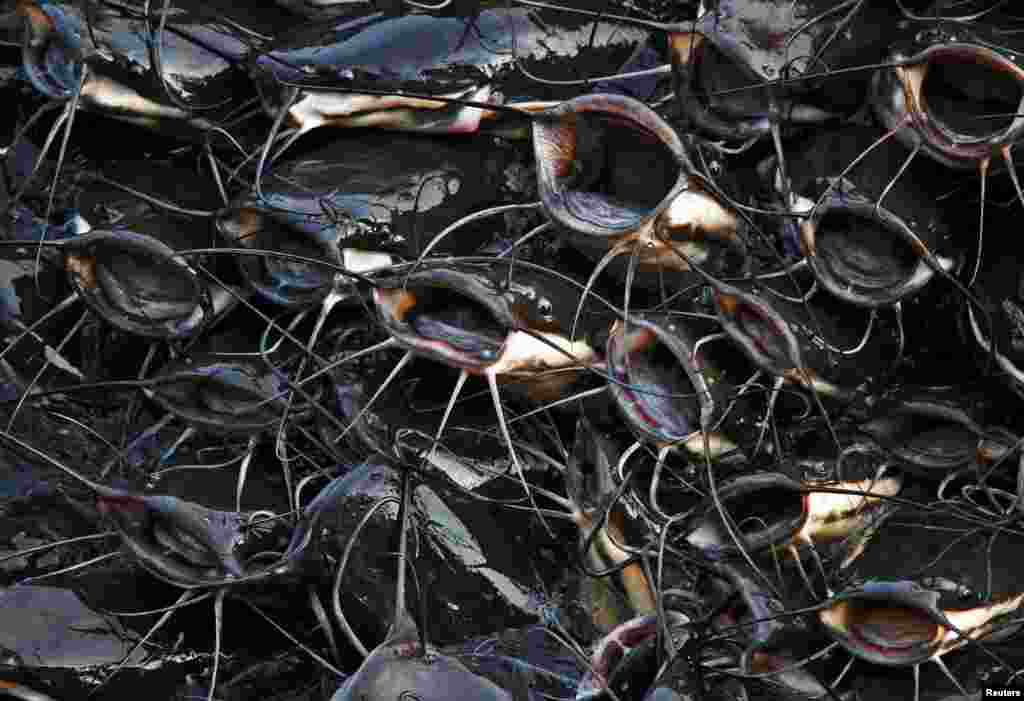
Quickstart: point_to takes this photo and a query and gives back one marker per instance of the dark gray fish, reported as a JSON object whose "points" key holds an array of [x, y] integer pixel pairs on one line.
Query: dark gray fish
{"points": [[618, 180], [779, 515], [743, 67], [355, 199], [817, 341], [487, 318], [932, 432], [874, 231], [475, 55], [157, 67], [404, 664], [900, 623], [667, 386], [955, 88]]}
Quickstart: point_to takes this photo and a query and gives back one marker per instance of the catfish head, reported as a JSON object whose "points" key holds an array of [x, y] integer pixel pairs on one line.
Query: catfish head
{"points": [[667, 385], [616, 178], [743, 66], [178, 541], [873, 234], [900, 623], [490, 318], [139, 284], [774, 512], [955, 89]]}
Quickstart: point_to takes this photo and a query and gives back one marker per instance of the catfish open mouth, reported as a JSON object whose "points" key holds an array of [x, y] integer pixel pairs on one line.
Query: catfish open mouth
{"points": [[606, 164], [963, 99], [926, 436], [883, 632], [284, 281], [767, 511], [178, 541], [760, 331], [454, 326], [137, 283], [968, 97], [51, 55], [864, 254], [655, 389], [221, 395]]}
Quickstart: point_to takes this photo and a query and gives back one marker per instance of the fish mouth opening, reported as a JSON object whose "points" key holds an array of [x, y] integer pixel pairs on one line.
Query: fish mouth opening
{"points": [[170, 549], [767, 512], [886, 633], [284, 281], [762, 333], [715, 73], [926, 439], [969, 96], [654, 387], [136, 283], [455, 326], [225, 396], [864, 255], [51, 55], [696, 226], [606, 164]]}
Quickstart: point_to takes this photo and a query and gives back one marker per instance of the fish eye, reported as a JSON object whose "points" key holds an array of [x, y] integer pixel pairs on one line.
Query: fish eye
{"points": [[545, 307]]}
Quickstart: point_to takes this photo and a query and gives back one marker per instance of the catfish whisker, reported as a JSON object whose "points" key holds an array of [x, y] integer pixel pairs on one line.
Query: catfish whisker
{"points": [[47, 546], [321, 616], [163, 609], [463, 376], [18, 136], [492, 382], [16, 198], [529, 235], [340, 573], [218, 625], [290, 97], [305, 648], [71, 110], [155, 201], [82, 565], [468, 219], [183, 600], [983, 171], [46, 364], [615, 251], [217, 466], [559, 402], [376, 395], [146, 435]]}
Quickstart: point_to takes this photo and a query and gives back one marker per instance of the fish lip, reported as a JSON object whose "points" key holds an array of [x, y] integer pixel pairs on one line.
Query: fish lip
{"points": [[900, 593], [151, 555], [668, 333], [241, 225], [1012, 371], [926, 407], [80, 263], [191, 375], [777, 535], [685, 47], [896, 96], [727, 300], [613, 647], [44, 24], [391, 302], [847, 289], [550, 131]]}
